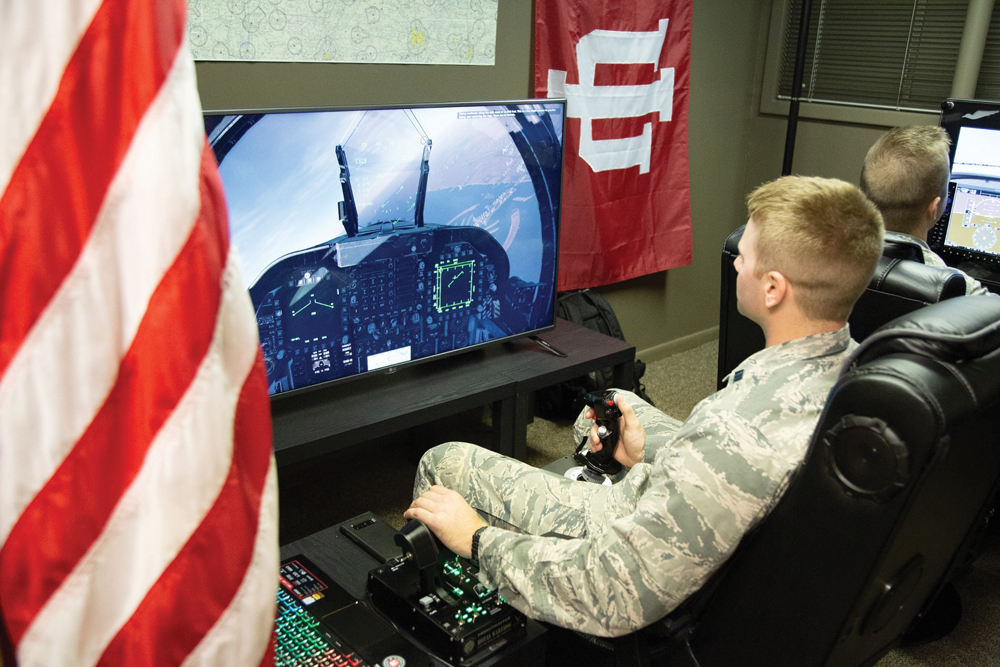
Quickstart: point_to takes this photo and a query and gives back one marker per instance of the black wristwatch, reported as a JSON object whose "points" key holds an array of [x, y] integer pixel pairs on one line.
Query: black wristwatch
{"points": [[475, 543]]}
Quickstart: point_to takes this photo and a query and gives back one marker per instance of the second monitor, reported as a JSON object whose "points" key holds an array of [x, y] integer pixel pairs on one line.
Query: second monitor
{"points": [[969, 230]]}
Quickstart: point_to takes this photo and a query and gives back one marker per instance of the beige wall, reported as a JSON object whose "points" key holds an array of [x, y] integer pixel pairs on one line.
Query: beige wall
{"points": [[733, 148], [833, 150]]}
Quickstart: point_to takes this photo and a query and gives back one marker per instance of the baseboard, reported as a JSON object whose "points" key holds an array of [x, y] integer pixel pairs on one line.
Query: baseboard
{"points": [[682, 344]]}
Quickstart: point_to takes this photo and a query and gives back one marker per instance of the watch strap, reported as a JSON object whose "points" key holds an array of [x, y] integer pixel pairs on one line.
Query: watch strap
{"points": [[475, 543]]}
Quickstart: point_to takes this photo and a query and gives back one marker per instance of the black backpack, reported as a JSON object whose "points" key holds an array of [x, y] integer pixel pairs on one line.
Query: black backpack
{"points": [[565, 400]]}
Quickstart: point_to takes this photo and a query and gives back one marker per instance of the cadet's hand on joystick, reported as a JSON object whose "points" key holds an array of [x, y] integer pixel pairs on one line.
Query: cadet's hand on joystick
{"points": [[449, 516], [631, 435]]}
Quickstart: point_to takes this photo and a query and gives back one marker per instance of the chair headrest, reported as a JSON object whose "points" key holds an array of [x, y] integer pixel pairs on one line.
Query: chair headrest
{"points": [[902, 249], [733, 240], [953, 331], [916, 280]]}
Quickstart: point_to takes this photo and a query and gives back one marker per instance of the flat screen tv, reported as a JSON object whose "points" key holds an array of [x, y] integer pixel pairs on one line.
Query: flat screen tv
{"points": [[969, 230], [374, 237]]}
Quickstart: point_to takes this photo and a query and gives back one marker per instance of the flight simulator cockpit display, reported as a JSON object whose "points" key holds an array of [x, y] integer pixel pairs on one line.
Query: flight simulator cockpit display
{"points": [[369, 238], [970, 227]]}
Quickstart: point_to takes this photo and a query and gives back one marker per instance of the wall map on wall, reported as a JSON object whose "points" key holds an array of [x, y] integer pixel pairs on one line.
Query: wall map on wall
{"points": [[451, 32]]}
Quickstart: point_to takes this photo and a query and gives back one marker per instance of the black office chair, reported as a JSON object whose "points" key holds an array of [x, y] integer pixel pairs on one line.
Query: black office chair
{"points": [[890, 504], [901, 284]]}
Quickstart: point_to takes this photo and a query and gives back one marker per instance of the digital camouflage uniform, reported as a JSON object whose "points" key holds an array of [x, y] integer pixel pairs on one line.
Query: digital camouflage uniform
{"points": [[931, 258], [638, 548]]}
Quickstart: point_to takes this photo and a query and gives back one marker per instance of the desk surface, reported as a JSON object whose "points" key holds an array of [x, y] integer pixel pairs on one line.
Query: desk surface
{"points": [[586, 350], [377, 404]]}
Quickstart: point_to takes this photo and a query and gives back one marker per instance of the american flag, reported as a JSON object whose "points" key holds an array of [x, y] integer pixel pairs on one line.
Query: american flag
{"points": [[138, 493]]}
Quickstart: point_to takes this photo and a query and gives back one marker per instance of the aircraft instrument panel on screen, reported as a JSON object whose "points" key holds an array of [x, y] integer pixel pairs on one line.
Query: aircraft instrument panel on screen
{"points": [[369, 238], [975, 207], [968, 234]]}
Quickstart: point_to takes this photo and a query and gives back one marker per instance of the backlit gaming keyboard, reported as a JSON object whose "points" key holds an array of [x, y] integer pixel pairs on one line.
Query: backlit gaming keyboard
{"points": [[320, 624], [302, 640]]}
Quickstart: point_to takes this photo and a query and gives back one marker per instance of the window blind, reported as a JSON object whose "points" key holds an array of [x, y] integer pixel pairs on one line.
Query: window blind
{"points": [[895, 54]]}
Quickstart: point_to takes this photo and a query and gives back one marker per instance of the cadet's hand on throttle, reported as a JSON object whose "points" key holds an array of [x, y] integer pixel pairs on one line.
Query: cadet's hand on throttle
{"points": [[633, 437], [448, 516]]}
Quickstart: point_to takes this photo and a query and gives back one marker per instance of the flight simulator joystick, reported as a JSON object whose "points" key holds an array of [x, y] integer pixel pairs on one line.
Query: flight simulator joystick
{"points": [[439, 597], [422, 546], [606, 416]]}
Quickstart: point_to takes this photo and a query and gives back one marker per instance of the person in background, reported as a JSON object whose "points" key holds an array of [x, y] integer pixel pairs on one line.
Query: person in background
{"points": [[906, 175]]}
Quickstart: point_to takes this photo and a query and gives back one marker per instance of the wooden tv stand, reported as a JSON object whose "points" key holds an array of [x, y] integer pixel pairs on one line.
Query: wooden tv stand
{"points": [[503, 376]]}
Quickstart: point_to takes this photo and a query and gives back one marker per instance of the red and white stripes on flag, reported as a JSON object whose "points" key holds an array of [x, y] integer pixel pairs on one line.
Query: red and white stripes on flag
{"points": [[138, 493]]}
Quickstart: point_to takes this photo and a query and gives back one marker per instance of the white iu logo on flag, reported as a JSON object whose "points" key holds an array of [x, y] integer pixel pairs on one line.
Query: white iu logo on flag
{"points": [[587, 101]]}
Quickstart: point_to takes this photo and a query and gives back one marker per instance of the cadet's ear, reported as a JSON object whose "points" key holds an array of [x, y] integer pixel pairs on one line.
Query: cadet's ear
{"points": [[775, 289], [934, 210]]}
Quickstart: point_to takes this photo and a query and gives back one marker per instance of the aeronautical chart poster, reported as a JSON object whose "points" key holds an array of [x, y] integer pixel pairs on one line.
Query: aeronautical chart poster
{"points": [[445, 32]]}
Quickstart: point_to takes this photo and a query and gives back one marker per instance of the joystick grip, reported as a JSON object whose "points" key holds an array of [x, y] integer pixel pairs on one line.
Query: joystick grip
{"points": [[606, 416], [609, 443], [419, 543]]}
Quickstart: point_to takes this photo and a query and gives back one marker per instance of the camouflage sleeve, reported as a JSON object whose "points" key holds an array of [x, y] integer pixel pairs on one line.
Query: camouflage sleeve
{"points": [[973, 286], [636, 565], [660, 429]]}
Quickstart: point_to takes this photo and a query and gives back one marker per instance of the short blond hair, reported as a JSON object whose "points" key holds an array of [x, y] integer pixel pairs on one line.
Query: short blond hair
{"points": [[823, 234], [904, 171]]}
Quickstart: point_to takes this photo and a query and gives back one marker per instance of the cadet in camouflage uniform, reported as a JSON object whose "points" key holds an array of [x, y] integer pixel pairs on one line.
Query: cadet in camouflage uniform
{"points": [[906, 174], [608, 560]]}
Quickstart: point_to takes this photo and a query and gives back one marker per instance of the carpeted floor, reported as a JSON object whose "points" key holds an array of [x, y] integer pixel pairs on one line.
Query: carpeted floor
{"points": [[378, 476]]}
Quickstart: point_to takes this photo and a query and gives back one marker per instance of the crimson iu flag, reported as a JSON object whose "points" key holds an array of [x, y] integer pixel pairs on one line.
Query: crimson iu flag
{"points": [[137, 487], [624, 70]]}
